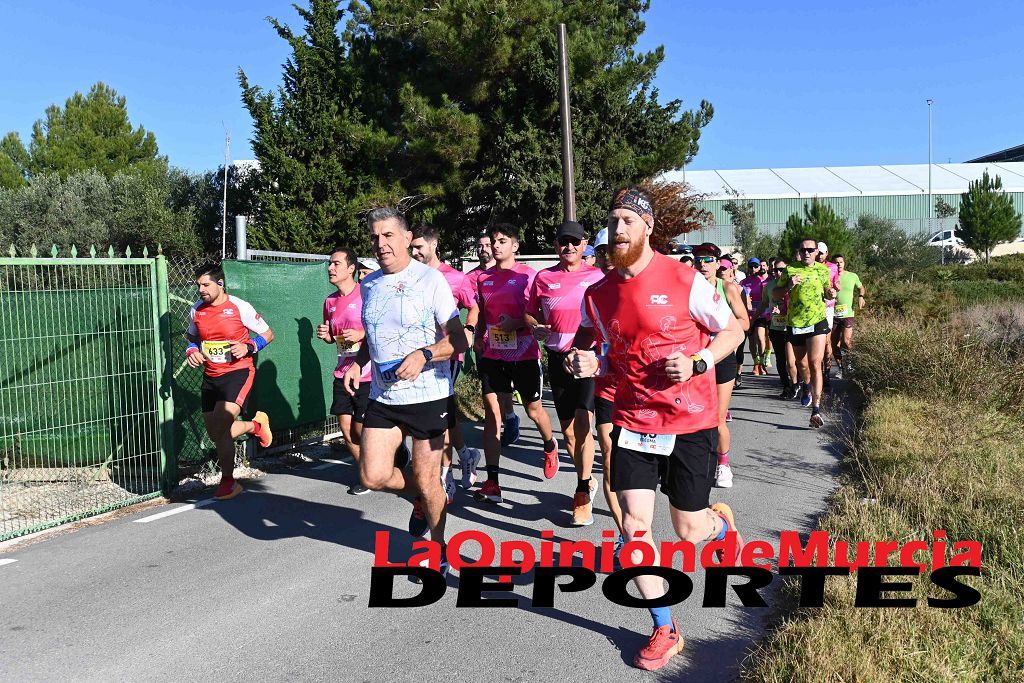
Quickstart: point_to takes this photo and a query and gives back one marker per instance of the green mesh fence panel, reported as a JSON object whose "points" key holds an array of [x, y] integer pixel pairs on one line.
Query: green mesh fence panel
{"points": [[80, 409], [294, 374]]}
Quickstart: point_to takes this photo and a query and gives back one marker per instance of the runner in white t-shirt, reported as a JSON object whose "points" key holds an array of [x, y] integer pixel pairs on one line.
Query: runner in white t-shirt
{"points": [[412, 330]]}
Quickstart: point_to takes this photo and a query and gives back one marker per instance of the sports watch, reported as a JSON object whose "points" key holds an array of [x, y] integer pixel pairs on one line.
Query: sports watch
{"points": [[428, 354], [700, 366]]}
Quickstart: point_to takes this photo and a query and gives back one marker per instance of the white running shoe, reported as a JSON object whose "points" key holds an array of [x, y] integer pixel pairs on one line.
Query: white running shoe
{"points": [[723, 476], [468, 459]]}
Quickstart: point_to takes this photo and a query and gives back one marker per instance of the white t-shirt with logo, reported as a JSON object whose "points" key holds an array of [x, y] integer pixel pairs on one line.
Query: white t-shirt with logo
{"points": [[403, 312]]}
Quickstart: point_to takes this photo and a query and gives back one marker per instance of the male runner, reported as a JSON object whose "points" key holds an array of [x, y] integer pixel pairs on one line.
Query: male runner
{"points": [[553, 312], [775, 313], [509, 356], [846, 303], [808, 284], [510, 427], [753, 285], [412, 330], [589, 255], [830, 308], [424, 250], [727, 267], [218, 337], [658, 316], [722, 280]]}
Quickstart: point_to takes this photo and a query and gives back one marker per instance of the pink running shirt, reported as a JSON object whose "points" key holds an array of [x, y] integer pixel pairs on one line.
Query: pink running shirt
{"points": [[558, 295], [345, 313], [505, 293], [834, 282], [462, 290]]}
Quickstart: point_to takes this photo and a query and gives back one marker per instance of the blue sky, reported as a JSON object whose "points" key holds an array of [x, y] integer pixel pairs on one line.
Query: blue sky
{"points": [[793, 83]]}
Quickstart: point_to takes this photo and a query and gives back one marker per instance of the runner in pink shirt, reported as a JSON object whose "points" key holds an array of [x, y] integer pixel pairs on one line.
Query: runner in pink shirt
{"points": [[554, 312], [509, 357], [424, 250], [753, 285]]}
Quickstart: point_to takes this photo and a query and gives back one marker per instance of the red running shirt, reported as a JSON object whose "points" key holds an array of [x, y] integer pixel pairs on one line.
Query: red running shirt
{"points": [[556, 297], [217, 327], [504, 294], [668, 307]]}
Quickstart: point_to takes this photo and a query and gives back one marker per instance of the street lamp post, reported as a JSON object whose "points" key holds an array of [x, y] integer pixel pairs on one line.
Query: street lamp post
{"points": [[931, 208]]}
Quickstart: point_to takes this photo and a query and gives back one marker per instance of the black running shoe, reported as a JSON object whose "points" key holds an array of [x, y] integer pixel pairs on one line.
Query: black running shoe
{"points": [[357, 490]]}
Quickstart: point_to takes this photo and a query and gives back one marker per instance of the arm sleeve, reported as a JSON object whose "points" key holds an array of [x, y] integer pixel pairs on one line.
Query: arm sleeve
{"points": [[443, 302], [707, 307], [250, 318]]}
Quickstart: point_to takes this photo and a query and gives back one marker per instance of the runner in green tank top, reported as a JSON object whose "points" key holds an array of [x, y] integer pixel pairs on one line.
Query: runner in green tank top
{"points": [[849, 299]]}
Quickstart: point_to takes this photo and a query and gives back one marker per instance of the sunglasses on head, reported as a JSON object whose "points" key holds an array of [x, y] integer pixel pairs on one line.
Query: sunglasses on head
{"points": [[566, 240], [808, 250], [705, 259]]}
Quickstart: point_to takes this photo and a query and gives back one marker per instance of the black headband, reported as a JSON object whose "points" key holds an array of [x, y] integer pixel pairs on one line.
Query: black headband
{"points": [[635, 202]]}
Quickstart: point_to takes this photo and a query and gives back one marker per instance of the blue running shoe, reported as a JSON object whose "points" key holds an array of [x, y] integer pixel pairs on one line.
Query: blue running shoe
{"points": [[805, 395], [510, 434]]}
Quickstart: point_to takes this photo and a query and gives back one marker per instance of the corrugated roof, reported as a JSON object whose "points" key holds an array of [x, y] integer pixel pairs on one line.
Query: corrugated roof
{"points": [[847, 181]]}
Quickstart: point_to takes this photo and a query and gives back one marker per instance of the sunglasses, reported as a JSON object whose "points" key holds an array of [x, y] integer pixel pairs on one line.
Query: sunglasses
{"points": [[705, 259], [566, 240], [808, 250]]}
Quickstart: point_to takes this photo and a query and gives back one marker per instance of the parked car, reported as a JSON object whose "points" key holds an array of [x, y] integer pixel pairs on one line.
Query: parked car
{"points": [[945, 239]]}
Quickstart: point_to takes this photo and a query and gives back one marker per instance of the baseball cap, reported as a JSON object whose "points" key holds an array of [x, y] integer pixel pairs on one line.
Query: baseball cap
{"points": [[572, 229], [589, 251], [601, 240], [707, 248], [754, 261], [822, 247]]}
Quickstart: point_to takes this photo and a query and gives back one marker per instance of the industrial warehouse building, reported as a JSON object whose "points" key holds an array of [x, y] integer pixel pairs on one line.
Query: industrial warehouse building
{"points": [[898, 192]]}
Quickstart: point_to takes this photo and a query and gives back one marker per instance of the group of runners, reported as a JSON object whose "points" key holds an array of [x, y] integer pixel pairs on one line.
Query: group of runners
{"points": [[641, 351]]}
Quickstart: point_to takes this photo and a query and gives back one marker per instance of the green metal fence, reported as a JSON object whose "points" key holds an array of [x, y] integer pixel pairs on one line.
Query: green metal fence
{"points": [[85, 389]]}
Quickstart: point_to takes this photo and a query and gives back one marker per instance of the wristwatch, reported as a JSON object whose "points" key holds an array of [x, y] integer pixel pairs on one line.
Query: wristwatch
{"points": [[700, 366], [428, 354], [471, 328]]}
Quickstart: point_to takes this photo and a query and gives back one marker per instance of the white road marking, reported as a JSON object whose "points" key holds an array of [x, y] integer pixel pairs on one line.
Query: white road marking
{"points": [[8, 561], [168, 513]]}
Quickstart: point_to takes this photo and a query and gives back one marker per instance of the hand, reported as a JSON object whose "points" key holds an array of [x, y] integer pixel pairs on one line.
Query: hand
{"points": [[324, 332], [351, 379], [582, 364], [776, 310], [412, 366], [352, 336], [507, 324], [239, 350], [679, 367], [195, 359], [542, 332], [860, 302], [830, 293], [796, 280]]}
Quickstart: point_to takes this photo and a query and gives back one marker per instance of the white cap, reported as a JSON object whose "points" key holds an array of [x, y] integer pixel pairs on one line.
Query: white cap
{"points": [[822, 247], [602, 238]]}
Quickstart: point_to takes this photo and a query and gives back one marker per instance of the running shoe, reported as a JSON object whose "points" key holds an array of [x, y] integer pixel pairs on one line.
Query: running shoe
{"points": [[402, 457], [266, 437], [805, 395], [725, 512], [582, 509], [551, 462], [728, 416], [767, 360], [489, 491], [228, 489], [785, 393], [510, 434], [723, 476], [417, 520], [617, 548], [791, 393], [443, 567], [817, 421], [357, 490], [449, 486], [664, 644], [739, 380], [468, 460]]}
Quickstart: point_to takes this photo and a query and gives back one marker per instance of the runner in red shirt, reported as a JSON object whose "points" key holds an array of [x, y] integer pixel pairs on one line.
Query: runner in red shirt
{"points": [[219, 341], [509, 355], [554, 314], [424, 250], [657, 316]]}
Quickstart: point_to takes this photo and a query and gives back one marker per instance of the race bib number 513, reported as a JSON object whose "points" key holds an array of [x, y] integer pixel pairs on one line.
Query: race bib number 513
{"points": [[658, 444], [505, 341]]}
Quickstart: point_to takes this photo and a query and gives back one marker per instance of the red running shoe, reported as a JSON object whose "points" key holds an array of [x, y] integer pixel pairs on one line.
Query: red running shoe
{"points": [[725, 512], [551, 462], [664, 644], [262, 432], [228, 489], [488, 491]]}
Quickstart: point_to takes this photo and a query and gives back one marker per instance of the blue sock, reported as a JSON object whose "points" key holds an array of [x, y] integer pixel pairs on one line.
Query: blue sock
{"points": [[662, 616], [725, 527]]}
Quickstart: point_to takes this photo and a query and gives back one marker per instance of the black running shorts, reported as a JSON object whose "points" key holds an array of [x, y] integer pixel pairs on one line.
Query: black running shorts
{"points": [[686, 476], [570, 394], [603, 410], [725, 369], [801, 339], [343, 404], [232, 387], [844, 323], [422, 421], [503, 376]]}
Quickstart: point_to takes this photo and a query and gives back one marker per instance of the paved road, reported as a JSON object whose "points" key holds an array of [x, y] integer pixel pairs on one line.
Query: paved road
{"points": [[273, 585]]}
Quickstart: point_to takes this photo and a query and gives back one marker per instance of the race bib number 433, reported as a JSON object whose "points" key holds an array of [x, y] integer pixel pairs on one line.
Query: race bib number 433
{"points": [[658, 444], [217, 351]]}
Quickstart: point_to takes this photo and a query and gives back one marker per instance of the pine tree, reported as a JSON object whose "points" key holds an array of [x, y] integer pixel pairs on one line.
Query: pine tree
{"points": [[821, 223], [987, 217]]}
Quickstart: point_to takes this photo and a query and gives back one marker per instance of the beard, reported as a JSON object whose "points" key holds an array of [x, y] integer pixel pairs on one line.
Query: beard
{"points": [[624, 259]]}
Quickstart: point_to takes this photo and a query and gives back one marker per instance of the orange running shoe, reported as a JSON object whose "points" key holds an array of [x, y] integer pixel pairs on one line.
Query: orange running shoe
{"points": [[551, 462], [725, 512], [664, 644], [264, 434], [488, 491], [582, 509], [228, 489]]}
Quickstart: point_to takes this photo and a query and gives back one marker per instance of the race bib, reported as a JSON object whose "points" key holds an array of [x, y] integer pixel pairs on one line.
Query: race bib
{"points": [[388, 371], [502, 340], [346, 349], [217, 351], [803, 330], [841, 310], [779, 321], [658, 444]]}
